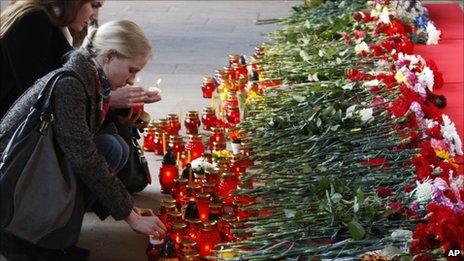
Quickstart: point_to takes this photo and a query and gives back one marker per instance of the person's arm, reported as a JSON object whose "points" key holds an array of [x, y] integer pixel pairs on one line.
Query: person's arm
{"points": [[76, 141], [27, 47]]}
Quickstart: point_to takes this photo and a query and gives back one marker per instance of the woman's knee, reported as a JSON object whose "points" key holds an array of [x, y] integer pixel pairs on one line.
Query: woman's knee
{"points": [[114, 149]]}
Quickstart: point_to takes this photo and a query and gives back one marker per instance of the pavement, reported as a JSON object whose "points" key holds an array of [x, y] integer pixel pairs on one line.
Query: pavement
{"points": [[191, 39]]}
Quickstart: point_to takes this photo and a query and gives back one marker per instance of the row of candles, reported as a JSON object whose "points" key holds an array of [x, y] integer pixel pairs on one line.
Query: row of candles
{"points": [[201, 210]]}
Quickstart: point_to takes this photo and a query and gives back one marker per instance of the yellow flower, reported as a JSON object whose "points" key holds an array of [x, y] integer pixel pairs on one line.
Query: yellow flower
{"points": [[253, 96], [443, 154], [399, 77]]}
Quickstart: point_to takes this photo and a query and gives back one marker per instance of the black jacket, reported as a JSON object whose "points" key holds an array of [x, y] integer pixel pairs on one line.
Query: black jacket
{"points": [[32, 48]]}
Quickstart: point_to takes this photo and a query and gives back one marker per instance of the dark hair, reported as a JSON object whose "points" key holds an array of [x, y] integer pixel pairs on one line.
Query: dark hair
{"points": [[60, 12]]}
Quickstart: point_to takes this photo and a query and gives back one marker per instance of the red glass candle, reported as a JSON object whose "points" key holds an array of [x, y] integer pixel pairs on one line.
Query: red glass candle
{"points": [[208, 87], [163, 125], [137, 109], [228, 206], [193, 229], [167, 175], [203, 202], [236, 165], [233, 114], [224, 226], [241, 72], [173, 218], [209, 237], [213, 177], [193, 189], [188, 247], [165, 209], [209, 188], [192, 122], [230, 73], [241, 212], [217, 135], [149, 139], [176, 143], [215, 211], [178, 234], [199, 179], [234, 59], [209, 118], [228, 184], [179, 190], [195, 146], [174, 125], [158, 143], [231, 100], [154, 248]]}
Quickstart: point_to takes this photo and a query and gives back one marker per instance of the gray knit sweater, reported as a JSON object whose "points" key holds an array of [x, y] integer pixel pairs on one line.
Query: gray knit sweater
{"points": [[77, 120]]}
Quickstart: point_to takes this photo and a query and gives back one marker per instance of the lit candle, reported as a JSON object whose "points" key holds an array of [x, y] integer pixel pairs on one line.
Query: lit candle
{"points": [[212, 100], [189, 156]]}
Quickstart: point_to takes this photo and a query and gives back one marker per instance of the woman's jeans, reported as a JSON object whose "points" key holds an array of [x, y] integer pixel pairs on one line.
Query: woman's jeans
{"points": [[114, 149]]}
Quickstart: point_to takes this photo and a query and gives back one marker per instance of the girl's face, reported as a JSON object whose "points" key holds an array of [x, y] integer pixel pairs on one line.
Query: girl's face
{"points": [[86, 13], [122, 71]]}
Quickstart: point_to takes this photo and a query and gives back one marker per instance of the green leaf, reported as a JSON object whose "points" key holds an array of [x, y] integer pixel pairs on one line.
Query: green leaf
{"points": [[357, 232]]}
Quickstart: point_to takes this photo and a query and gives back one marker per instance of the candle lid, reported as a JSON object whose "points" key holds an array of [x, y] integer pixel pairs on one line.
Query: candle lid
{"points": [[191, 257], [193, 221], [232, 106], [209, 225], [217, 129], [195, 137], [168, 204], [207, 79], [229, 219], [175, 214], [172, 116], [175, 138], [208, 109], [188, 243], [215, 205], [204, 195], [181, 180], [179, 226], [192, 113], [168, 199]]}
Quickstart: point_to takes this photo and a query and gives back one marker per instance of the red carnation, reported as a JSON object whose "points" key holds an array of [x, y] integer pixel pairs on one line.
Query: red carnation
{"points": [[384, 191], [396, 206], [357, 16], [434, 132]]}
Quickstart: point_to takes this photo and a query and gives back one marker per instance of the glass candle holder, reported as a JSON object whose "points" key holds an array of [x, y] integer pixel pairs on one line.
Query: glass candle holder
{"points": [[193, 189], [195, 146], [176, 143], [234, 59], [173, 218], [209, 188], [188, 247], [215, 211], [148, 138], [240, 210], [218, 146], [236, 165], [158, 143], [167, 175], [241, 72], [209, 118], [179, 190], [208, 87], [173, 124], [163, 125], [224, 226], [213, 177], [233, 114], [231, 100], [192, 122], [228, 206], [203, 202], [191, 210], [154, 248], [217, 135], [193, 229], [178, 234], [165, 209], [209, 237]]}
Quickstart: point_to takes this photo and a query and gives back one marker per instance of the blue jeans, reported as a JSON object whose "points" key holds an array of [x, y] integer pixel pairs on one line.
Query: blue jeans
{"points": [[114, 149]]}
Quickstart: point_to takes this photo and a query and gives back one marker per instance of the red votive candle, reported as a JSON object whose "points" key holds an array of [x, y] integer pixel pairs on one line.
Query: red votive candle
{"points": [[203, 202], [167, 175], [173, 124], [209, 118], [192, 122], [195, 146], [209, 237]]}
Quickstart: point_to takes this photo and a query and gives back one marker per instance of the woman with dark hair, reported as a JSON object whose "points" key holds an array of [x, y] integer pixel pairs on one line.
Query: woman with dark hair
{"points": [[34, 36]]}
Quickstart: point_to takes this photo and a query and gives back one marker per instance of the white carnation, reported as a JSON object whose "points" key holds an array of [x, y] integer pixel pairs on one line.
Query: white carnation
{"points": [[361, 47], [366, 114], [426, 78], [433, 35], [423, 191], [448, 130]]}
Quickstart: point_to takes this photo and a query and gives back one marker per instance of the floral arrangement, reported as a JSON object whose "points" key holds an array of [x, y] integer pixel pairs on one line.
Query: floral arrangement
{"points": [[369, 168]]}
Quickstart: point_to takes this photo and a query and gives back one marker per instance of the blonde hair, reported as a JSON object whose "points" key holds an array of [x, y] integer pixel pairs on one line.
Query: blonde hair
{"points": [[60, 12], [124, 36]]}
